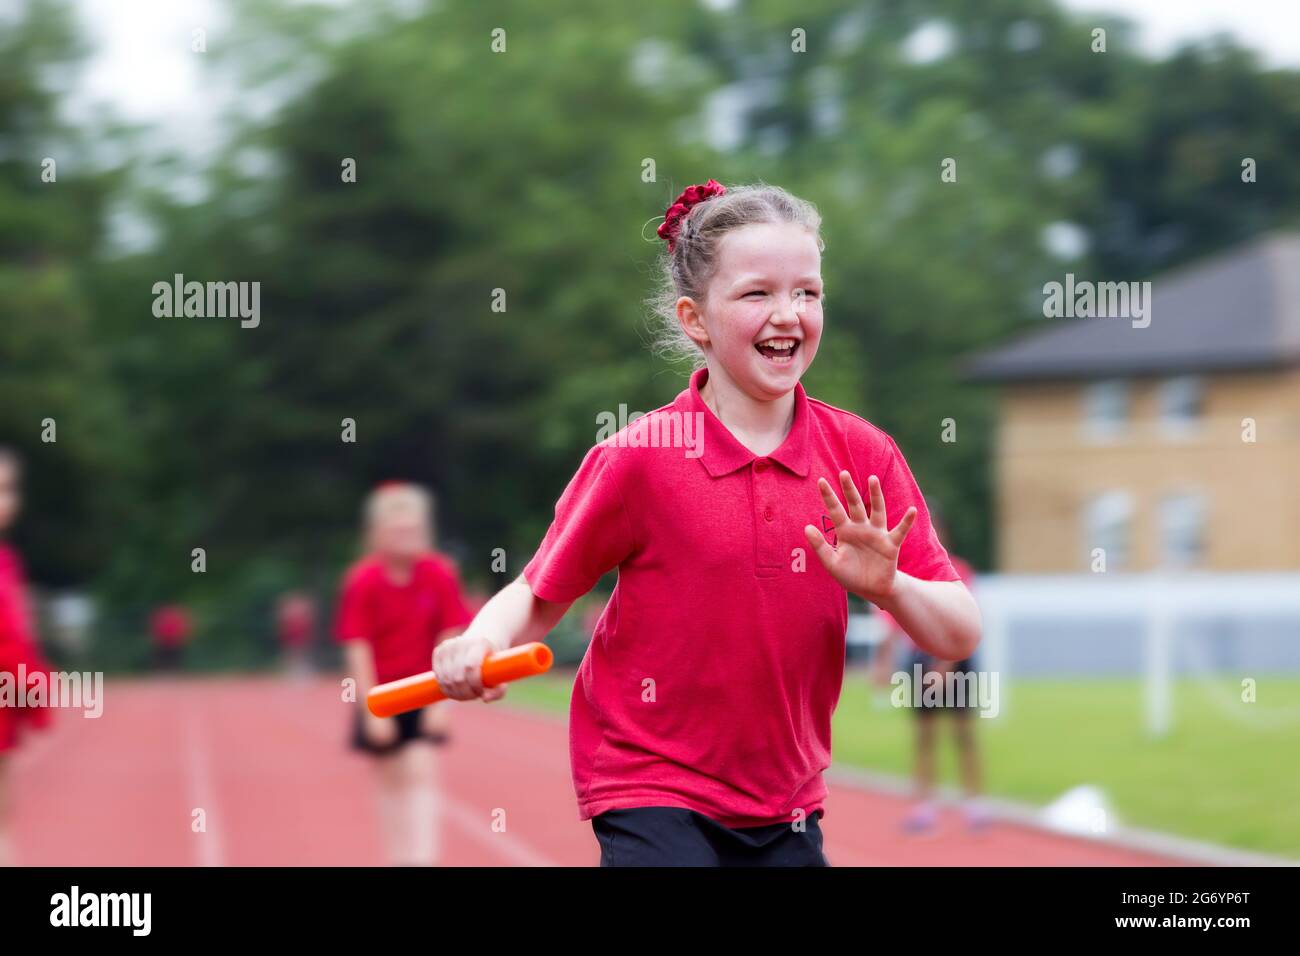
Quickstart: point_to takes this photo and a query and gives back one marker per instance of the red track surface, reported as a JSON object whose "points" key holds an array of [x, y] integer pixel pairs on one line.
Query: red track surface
{"points": [[265, 760]]}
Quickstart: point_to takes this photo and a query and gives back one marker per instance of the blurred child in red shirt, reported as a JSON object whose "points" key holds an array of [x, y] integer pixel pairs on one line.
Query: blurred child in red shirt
{"points": [[295, 625], [19, 652], [170, 627], [397, 603]]}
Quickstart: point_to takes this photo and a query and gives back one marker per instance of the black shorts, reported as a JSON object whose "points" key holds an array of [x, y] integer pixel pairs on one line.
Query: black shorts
{"points": [[408, 729], [669, 836], [168, 658], [944, 706]]}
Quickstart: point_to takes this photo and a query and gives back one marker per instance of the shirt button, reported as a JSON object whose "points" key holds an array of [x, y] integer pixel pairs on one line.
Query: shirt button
{"points": [[767, 513], [760, 465]]}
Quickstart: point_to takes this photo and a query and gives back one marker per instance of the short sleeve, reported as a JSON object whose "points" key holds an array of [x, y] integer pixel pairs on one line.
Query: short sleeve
{"points": [[353, 621], [11, 629], [17, 643], [591, 534], [453, 611], [11, 647], [922, 556]]}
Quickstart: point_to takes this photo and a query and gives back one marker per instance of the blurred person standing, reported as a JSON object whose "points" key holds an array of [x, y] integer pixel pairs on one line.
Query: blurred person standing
{"points": [[20, 655], [924, 814], [397, 603], [170, 627], [295, 626]]}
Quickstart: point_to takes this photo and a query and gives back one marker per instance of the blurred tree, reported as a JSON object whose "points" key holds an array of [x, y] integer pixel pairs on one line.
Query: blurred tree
{"points": [[481, 167], [57, 403]]}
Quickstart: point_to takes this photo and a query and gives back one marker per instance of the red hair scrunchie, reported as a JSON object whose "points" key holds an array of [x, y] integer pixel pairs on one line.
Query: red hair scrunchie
{"points": [[691, 197]]}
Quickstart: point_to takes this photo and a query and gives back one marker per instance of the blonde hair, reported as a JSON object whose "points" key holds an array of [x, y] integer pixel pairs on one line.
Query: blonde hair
{"points": [[396, 496], [693, 261]]}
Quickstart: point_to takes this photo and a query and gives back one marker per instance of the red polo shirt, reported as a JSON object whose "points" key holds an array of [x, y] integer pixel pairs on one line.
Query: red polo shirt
{"points": [[19, 651], [170, 625], [712, 675], [401, 622]]}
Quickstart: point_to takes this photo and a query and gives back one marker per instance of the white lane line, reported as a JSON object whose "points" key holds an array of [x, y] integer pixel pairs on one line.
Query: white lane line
{"points": [[475, 823], [207, 843], [478, 827]]}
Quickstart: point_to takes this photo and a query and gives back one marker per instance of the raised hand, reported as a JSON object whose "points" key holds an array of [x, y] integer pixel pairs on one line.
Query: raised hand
{"points": [[865, 557]]}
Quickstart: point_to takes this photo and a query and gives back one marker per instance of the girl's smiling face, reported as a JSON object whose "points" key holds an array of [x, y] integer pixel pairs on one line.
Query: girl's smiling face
{"points": [[761, 320]]}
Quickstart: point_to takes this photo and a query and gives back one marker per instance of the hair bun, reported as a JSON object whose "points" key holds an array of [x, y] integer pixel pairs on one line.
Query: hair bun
{"points": [[691, 197]]}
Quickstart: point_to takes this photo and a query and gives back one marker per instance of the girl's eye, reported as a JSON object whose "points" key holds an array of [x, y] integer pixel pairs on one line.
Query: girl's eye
{"points": [[806, 293], [754, 292]]}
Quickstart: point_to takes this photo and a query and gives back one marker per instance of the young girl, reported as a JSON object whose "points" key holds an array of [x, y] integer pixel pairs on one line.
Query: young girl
{"points": [[701, 716], [397, 603], [19, 652]]}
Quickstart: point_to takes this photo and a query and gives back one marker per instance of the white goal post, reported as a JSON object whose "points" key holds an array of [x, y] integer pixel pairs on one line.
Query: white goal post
{"points": [[1160, 602]]}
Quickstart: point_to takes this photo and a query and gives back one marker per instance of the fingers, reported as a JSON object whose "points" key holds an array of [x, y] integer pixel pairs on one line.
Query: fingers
{"points": [[821, 547], [878, 517], [473, 670], [458, 665], [904, 526], [857, 510], [833, 506], [443, 662], [494, 693]]}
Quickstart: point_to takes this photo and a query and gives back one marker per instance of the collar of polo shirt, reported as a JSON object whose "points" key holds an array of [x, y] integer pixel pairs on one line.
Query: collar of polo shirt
{"points": [[723, 454]]}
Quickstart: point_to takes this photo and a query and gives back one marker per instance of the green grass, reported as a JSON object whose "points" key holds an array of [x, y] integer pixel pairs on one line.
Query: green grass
{"points": [[549, 692], [1229, 772]]}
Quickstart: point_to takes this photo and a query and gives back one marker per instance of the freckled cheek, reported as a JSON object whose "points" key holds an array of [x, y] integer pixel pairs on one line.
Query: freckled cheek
{"points": [[741, 324], [811, 325], [811, 322]]}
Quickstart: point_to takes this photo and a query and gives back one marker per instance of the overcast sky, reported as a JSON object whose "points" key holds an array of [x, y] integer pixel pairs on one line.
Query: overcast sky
{"points": [[145, 69]]}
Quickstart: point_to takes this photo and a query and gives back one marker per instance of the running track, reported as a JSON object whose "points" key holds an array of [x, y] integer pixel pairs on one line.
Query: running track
{"points": [[264, 758]]}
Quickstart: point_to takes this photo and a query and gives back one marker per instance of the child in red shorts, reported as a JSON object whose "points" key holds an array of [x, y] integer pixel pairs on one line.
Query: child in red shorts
{"points": [[397, 603], [700, 722], [19, 652]]}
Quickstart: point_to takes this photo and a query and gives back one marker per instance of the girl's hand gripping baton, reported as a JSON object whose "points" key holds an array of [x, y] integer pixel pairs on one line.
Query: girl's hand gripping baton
{"points": [[420, 690]]}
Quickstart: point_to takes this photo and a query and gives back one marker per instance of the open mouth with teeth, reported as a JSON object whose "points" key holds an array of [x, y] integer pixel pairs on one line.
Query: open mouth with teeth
{"points": [[778, 351]]}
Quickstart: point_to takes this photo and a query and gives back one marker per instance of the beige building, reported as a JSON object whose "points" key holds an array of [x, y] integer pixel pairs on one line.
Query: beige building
{"points": [[1169, 444]]}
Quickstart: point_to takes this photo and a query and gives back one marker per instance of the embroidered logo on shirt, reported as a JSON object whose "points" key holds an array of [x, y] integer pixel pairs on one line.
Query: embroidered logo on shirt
{"points": [[828, 529]]}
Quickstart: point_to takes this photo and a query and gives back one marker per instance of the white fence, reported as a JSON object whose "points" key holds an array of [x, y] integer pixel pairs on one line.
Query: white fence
{"points": [[1142, 625], [1164, 607]]}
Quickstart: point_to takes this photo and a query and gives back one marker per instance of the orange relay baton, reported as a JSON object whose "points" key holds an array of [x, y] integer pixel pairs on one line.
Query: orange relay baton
{"points": [[420, 690]]}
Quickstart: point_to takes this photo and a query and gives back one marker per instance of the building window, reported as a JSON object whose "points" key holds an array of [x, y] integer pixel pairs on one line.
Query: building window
{"points": [[1182, 530], [1106, 408], [1182, 402], [1108, 526]]}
